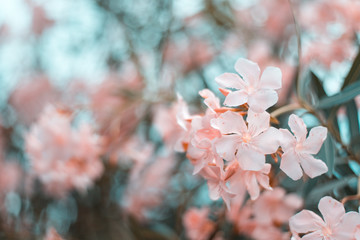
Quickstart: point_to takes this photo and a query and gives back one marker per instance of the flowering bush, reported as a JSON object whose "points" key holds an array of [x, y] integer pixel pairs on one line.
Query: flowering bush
{"points": [[200, 120]]}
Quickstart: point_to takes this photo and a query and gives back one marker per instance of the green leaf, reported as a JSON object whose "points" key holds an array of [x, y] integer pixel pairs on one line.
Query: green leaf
{"points": [[352, 114], [344, 96], [328, 187], [327, 153], [354, 73], [317, 85]]}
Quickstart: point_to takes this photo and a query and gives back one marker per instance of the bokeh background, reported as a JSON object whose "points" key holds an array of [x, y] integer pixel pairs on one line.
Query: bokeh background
{"points": [[117, 66]]}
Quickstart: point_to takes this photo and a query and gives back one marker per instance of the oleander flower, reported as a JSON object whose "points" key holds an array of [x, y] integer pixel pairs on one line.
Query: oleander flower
{"points": [[249, 142], [336, 225], [298, 149], [258, 93]]}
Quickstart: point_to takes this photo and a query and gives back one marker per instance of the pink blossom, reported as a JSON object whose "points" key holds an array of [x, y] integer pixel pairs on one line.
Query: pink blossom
{"points": [[60, 156], [252, 180], [197, 224], [337, 225], [36, 93], [147, 191], [190, 54], [250, 142], [298, 150], [216, 180], [261, 52], [40, 20], [269, 232], [258, 92], [52, 235], [276, 207], [174, 124], [201, 150], [10, 176]]}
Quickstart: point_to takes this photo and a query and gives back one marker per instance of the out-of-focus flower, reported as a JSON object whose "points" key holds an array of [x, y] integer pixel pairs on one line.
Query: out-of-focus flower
{"points": [[326, 52], [40, 20], [10, 176], [337, 225], [188, 56], [115, 105], [276, 207], [147, 191], [298, 150], [52, 235], [174, 125], [61, 157], [30, 97], [197, 224], [258, 92]]}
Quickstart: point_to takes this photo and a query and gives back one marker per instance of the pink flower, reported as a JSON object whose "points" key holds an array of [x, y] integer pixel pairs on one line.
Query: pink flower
{"points": [[337, 225], [197, 224], [210, 100], [249, 141], [40, 20], [31, 96], [298, 150], [147, 190], [61, 157], [174, 124], [52, 235], [276, 207], [258, 92], [216, 180], [252, 180]]}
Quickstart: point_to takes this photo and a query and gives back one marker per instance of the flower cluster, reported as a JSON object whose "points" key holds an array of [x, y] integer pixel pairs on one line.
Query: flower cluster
{"points": [[61, 157], [228, 146]]}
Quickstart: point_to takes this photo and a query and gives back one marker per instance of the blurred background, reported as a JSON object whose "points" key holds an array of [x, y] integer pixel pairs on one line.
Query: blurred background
{"points": [[103, 76]]}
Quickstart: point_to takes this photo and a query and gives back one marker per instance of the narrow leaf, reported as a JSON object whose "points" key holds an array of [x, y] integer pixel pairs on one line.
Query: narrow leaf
{"points": [[327, 153], [352, 114], [344, 96], [354, 73], [328, 188]]}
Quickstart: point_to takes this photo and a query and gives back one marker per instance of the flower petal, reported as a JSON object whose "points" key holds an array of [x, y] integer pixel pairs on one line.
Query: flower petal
{"points": [[210, 100], [313, 236], [257, 122], [298, 127], [349, 227], [315, 139], [271, 78], [305, 221], [290, 165], [226, 147], [312, 167], [249, 70], [287, 140], [249, 159], [236, 98], [252, 185], [332, 210], [262, 99], [214, 190], [230, 80], [268, 141], [229, 122]]}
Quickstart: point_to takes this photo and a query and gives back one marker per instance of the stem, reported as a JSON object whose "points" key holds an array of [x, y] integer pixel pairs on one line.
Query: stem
{"points": [[284, 109]]}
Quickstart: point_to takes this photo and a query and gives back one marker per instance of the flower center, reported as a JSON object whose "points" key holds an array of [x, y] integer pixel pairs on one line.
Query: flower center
{"points": [[327, 232], [246, 138]]}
